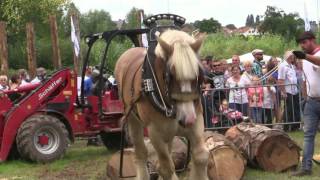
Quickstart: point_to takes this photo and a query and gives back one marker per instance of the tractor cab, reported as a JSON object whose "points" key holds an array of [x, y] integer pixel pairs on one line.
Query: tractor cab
{"points": [[103, 99]]}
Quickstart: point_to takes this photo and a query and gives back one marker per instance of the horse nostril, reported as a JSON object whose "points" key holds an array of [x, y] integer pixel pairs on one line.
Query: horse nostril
{"points": [[182, 122]]}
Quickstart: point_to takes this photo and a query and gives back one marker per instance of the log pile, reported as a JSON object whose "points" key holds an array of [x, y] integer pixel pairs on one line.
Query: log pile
{"points": [[269, 149], [225, 160], [179, 155]]}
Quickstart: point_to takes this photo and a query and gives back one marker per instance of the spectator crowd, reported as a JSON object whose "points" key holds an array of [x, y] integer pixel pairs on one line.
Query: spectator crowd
{"points": [[266, 92], [21, 78]]}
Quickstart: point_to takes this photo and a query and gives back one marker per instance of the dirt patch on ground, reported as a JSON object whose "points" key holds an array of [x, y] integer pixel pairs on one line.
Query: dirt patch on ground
{"points": [[78, 170]]}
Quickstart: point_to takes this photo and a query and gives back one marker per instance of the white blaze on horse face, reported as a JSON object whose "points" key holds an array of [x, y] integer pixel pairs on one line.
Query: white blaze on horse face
{"points": [[186, 113], [185, 86]]}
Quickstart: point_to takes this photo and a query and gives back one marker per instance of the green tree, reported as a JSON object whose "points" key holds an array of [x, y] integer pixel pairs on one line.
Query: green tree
{"points": [[250, 20], [257, 20], [66, 26], [96, 21], [231, 26], [208, 25], [278, 22], [132, 21], [17, 12]]}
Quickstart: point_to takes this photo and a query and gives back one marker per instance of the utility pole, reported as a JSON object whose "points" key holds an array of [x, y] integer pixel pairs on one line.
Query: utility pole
{"points": [[31, 50], [3, 49], [56, 59]]}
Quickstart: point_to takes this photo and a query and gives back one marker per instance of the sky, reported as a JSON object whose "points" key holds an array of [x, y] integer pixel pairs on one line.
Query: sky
{"points": [[225, 11]]}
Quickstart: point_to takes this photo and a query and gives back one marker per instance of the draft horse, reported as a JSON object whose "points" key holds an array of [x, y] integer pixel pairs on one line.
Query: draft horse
{"points": [[176, 53]]}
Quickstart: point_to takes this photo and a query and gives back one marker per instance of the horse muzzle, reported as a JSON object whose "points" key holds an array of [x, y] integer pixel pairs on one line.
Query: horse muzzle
{"points": [[187, 121]]}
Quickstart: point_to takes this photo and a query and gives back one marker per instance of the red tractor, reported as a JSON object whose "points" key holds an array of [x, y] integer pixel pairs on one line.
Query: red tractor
{"points": [[39, 121]]}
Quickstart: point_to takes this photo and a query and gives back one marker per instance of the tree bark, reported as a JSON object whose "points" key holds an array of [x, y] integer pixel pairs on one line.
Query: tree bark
{"points": [[31, 50], [3, 49], [56, 59], [269, 149]]}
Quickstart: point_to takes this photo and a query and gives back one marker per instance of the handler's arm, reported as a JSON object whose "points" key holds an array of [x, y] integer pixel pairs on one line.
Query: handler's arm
{"points": [[313, 59]]}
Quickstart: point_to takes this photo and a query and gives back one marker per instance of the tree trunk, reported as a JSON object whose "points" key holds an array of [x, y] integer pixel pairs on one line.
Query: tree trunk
{"points": [[56, 59], [269, 149], [31, 49], [3, 49], [225, 160]]}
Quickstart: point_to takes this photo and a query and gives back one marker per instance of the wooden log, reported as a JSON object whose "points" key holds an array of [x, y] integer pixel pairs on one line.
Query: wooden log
{"points": [[3, 49], [225, 160], [31, 49], [179, 155], [56, 59], [269, 149]]}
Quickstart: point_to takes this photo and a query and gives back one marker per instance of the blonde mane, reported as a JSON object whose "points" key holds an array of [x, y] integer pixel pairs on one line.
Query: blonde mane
{"points": [[183, 59]]}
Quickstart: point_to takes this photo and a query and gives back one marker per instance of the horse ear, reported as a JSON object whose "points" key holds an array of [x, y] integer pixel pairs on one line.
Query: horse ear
{"points": [[198, 42], [165, 46]]}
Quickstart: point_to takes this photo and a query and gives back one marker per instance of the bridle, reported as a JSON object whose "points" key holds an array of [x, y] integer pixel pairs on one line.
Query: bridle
{"points": [[174, 95]]}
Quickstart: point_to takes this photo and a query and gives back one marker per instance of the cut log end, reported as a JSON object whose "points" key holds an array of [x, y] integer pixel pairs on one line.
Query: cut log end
{"points": [[225, 161], [277, 154]]}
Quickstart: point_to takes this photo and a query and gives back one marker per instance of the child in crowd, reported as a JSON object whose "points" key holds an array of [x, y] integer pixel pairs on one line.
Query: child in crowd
{"points": [[255, 97], [269, 100], [4, 82]]}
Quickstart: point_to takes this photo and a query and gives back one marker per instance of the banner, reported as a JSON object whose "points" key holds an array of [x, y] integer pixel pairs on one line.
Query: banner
{"points": [[144, 38], [307, 26], [74, 39]]}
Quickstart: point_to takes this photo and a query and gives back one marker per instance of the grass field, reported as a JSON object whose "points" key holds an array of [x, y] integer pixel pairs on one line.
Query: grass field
{"points": [[82, 162]]}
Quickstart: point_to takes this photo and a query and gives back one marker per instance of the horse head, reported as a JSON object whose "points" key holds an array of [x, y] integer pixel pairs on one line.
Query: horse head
{"points": [[180, 53]]}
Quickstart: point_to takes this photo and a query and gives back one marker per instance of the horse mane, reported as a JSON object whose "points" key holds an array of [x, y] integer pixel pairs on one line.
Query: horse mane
{"points": [[183, 59]]}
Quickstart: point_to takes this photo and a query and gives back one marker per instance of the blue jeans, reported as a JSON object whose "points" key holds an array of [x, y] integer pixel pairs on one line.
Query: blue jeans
{"points": [[256, 114], [311, 117]]}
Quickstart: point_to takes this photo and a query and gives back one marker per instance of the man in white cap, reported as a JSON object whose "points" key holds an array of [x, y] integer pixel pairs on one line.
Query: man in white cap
{"points": [[257, 65]]}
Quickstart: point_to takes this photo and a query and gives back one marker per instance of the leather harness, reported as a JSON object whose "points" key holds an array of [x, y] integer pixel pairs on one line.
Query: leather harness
{"points": [[165, 103]]}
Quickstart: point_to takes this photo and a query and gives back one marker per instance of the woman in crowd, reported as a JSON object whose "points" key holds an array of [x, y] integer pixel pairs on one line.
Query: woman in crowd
{"points": [[247, 74], [238, 98]]}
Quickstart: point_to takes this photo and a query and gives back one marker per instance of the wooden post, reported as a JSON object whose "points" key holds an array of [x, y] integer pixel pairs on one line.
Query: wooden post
{"points": [[55, 42], [76, 60], [139, 24], [3, 49], [31, 50]]}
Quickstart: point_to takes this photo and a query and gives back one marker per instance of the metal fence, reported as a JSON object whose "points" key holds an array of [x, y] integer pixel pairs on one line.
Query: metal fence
{"points": [[264, 104]]}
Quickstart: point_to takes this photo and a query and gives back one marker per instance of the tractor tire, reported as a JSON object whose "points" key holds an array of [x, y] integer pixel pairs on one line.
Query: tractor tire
{"points": [[112, 140], [42, 138]]}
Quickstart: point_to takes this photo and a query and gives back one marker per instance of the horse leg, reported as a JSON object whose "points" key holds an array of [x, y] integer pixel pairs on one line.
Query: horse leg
{"points": [[199, 154], [141, 152], [165, 167]]}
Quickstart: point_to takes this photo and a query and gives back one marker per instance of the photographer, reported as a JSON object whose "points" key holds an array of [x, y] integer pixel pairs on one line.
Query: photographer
{"points": [[311, 62]]}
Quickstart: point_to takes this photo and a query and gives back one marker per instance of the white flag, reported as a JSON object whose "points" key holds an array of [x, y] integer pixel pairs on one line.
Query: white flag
{"points": [[306, 19], [144, 38], [74, 39]]}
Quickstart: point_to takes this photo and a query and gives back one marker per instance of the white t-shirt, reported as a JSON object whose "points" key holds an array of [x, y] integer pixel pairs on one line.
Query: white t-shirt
{"points": [[287, 73], [238, 96], [312, 75], [247, 78], [268, 102]]}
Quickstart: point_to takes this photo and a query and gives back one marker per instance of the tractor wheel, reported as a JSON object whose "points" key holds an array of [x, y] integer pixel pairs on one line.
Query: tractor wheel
{"points": [[42, 138], [112, 140]]}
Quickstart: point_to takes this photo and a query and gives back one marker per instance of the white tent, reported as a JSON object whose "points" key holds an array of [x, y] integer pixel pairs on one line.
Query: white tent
{"points": [[249, 57]]}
